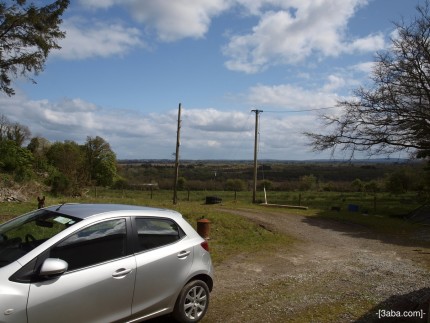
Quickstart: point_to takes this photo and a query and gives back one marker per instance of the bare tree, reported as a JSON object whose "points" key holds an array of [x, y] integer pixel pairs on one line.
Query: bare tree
{"points": [[13, 131], [18, 133], [4, 125], [394, 113]]}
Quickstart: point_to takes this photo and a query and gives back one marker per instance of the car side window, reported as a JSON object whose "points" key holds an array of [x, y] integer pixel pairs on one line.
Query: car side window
{"points": [[154, 233], [97, 243]]}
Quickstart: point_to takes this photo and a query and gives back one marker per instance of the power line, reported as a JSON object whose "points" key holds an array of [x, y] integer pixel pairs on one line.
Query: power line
{"points": [[297, 111]]}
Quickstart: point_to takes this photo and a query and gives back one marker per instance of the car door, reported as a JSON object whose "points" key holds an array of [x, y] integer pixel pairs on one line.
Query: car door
{"points": [[163, 261], [98, 285]]}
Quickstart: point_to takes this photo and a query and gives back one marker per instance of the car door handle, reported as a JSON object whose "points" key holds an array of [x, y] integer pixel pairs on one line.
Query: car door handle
{"points": [[184, 254], [120, 273]]}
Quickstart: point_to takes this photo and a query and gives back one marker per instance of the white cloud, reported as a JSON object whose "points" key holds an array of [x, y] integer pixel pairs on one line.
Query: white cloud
{"points": [[98, 4], [290, 97], [288, 31], [371, 43], [171, 20], [281, 135], [366, 67], [205, 133], [334, 82], [74, 119], [86, 39], [291, 31], [217, 121]]}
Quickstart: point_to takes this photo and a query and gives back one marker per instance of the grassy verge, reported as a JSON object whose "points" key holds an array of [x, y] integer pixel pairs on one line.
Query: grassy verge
{"points": [[231, 234]]}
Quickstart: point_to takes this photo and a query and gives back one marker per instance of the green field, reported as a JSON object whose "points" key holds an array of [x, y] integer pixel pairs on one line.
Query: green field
{"points": [[230, 234]]}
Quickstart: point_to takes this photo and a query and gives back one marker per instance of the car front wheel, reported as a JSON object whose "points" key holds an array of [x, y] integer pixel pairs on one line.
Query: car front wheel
{"points": [[192, 303]]}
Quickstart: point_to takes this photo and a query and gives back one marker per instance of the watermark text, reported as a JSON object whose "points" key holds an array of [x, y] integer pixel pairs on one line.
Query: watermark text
{"points": [[400, 314]]}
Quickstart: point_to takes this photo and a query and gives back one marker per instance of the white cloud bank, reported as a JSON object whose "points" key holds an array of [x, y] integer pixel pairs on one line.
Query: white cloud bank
{"points": [[295, 30], [171, 20], [85, 39], [286, 31], [205, 133]]}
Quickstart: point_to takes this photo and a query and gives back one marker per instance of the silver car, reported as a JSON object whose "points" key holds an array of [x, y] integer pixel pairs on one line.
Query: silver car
{"points": [[102, 263]]}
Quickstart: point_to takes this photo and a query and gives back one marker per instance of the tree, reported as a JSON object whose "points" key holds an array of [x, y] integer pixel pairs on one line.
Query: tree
{"points": [[100, 161], [393, 114], [27, 34], [39, 147], [358, 185], [371, 187], [235, 185], [18, 133], [4, 125], [265, 184], [68, 160], [398, 182], [308, 182], [16, 159], [182, 183], [13, 131]]}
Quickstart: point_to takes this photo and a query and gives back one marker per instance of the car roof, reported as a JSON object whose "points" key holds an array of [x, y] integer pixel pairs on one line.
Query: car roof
{"points": [[83, 211]]}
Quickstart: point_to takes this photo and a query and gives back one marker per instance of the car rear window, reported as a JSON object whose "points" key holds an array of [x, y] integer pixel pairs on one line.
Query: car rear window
{"points": [[153, 233]]}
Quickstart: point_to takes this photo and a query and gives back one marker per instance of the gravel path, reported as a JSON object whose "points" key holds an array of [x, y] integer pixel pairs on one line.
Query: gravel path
{"points": [[335, 272]]}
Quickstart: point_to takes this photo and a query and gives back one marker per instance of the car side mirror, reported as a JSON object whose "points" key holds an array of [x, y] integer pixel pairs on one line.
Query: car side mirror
{"points": [[53, 267]]}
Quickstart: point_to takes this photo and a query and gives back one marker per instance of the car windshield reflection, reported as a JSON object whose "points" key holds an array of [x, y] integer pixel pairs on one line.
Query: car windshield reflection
{"points": [[24, 233]]}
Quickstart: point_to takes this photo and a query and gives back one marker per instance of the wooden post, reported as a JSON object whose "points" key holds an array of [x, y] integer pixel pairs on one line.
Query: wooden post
{"points": [[254, 190], [175, 184]]}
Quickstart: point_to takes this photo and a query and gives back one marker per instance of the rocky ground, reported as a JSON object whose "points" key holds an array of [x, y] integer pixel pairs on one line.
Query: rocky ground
{"points": [[335, 272], [15, 192]]}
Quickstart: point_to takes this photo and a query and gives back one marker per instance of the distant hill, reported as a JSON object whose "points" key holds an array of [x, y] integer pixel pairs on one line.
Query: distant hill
{"points": [[274, 161]]}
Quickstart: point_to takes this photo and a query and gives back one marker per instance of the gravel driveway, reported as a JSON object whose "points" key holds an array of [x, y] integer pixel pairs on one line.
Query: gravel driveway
{"points": [[335, 272]]}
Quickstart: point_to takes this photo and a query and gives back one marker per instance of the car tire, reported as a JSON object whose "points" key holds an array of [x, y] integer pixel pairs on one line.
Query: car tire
{"points": [[192, 302]]}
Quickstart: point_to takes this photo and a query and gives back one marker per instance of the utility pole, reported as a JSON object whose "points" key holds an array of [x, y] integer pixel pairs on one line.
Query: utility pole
{"points": [[178, 143], [254, 191]]}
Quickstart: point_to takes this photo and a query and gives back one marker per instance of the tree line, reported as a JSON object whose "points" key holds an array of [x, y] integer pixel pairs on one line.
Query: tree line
{"points": [[66, 166], [396, 178]]}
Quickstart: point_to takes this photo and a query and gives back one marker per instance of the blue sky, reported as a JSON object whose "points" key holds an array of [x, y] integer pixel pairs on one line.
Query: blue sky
{"points": [[125, 65]]}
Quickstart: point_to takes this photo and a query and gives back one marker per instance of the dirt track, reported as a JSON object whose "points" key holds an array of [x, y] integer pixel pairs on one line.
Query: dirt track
{"points": [[336, 272]]}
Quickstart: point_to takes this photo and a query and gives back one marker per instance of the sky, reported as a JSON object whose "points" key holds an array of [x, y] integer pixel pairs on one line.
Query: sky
{"points": [[125, 66]]}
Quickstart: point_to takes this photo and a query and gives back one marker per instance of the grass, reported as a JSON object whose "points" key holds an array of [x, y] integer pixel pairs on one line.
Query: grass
{"points": [[230, 234]]}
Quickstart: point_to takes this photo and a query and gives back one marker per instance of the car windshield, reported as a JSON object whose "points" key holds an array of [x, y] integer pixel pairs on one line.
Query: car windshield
{"points": [[24, 233]]}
